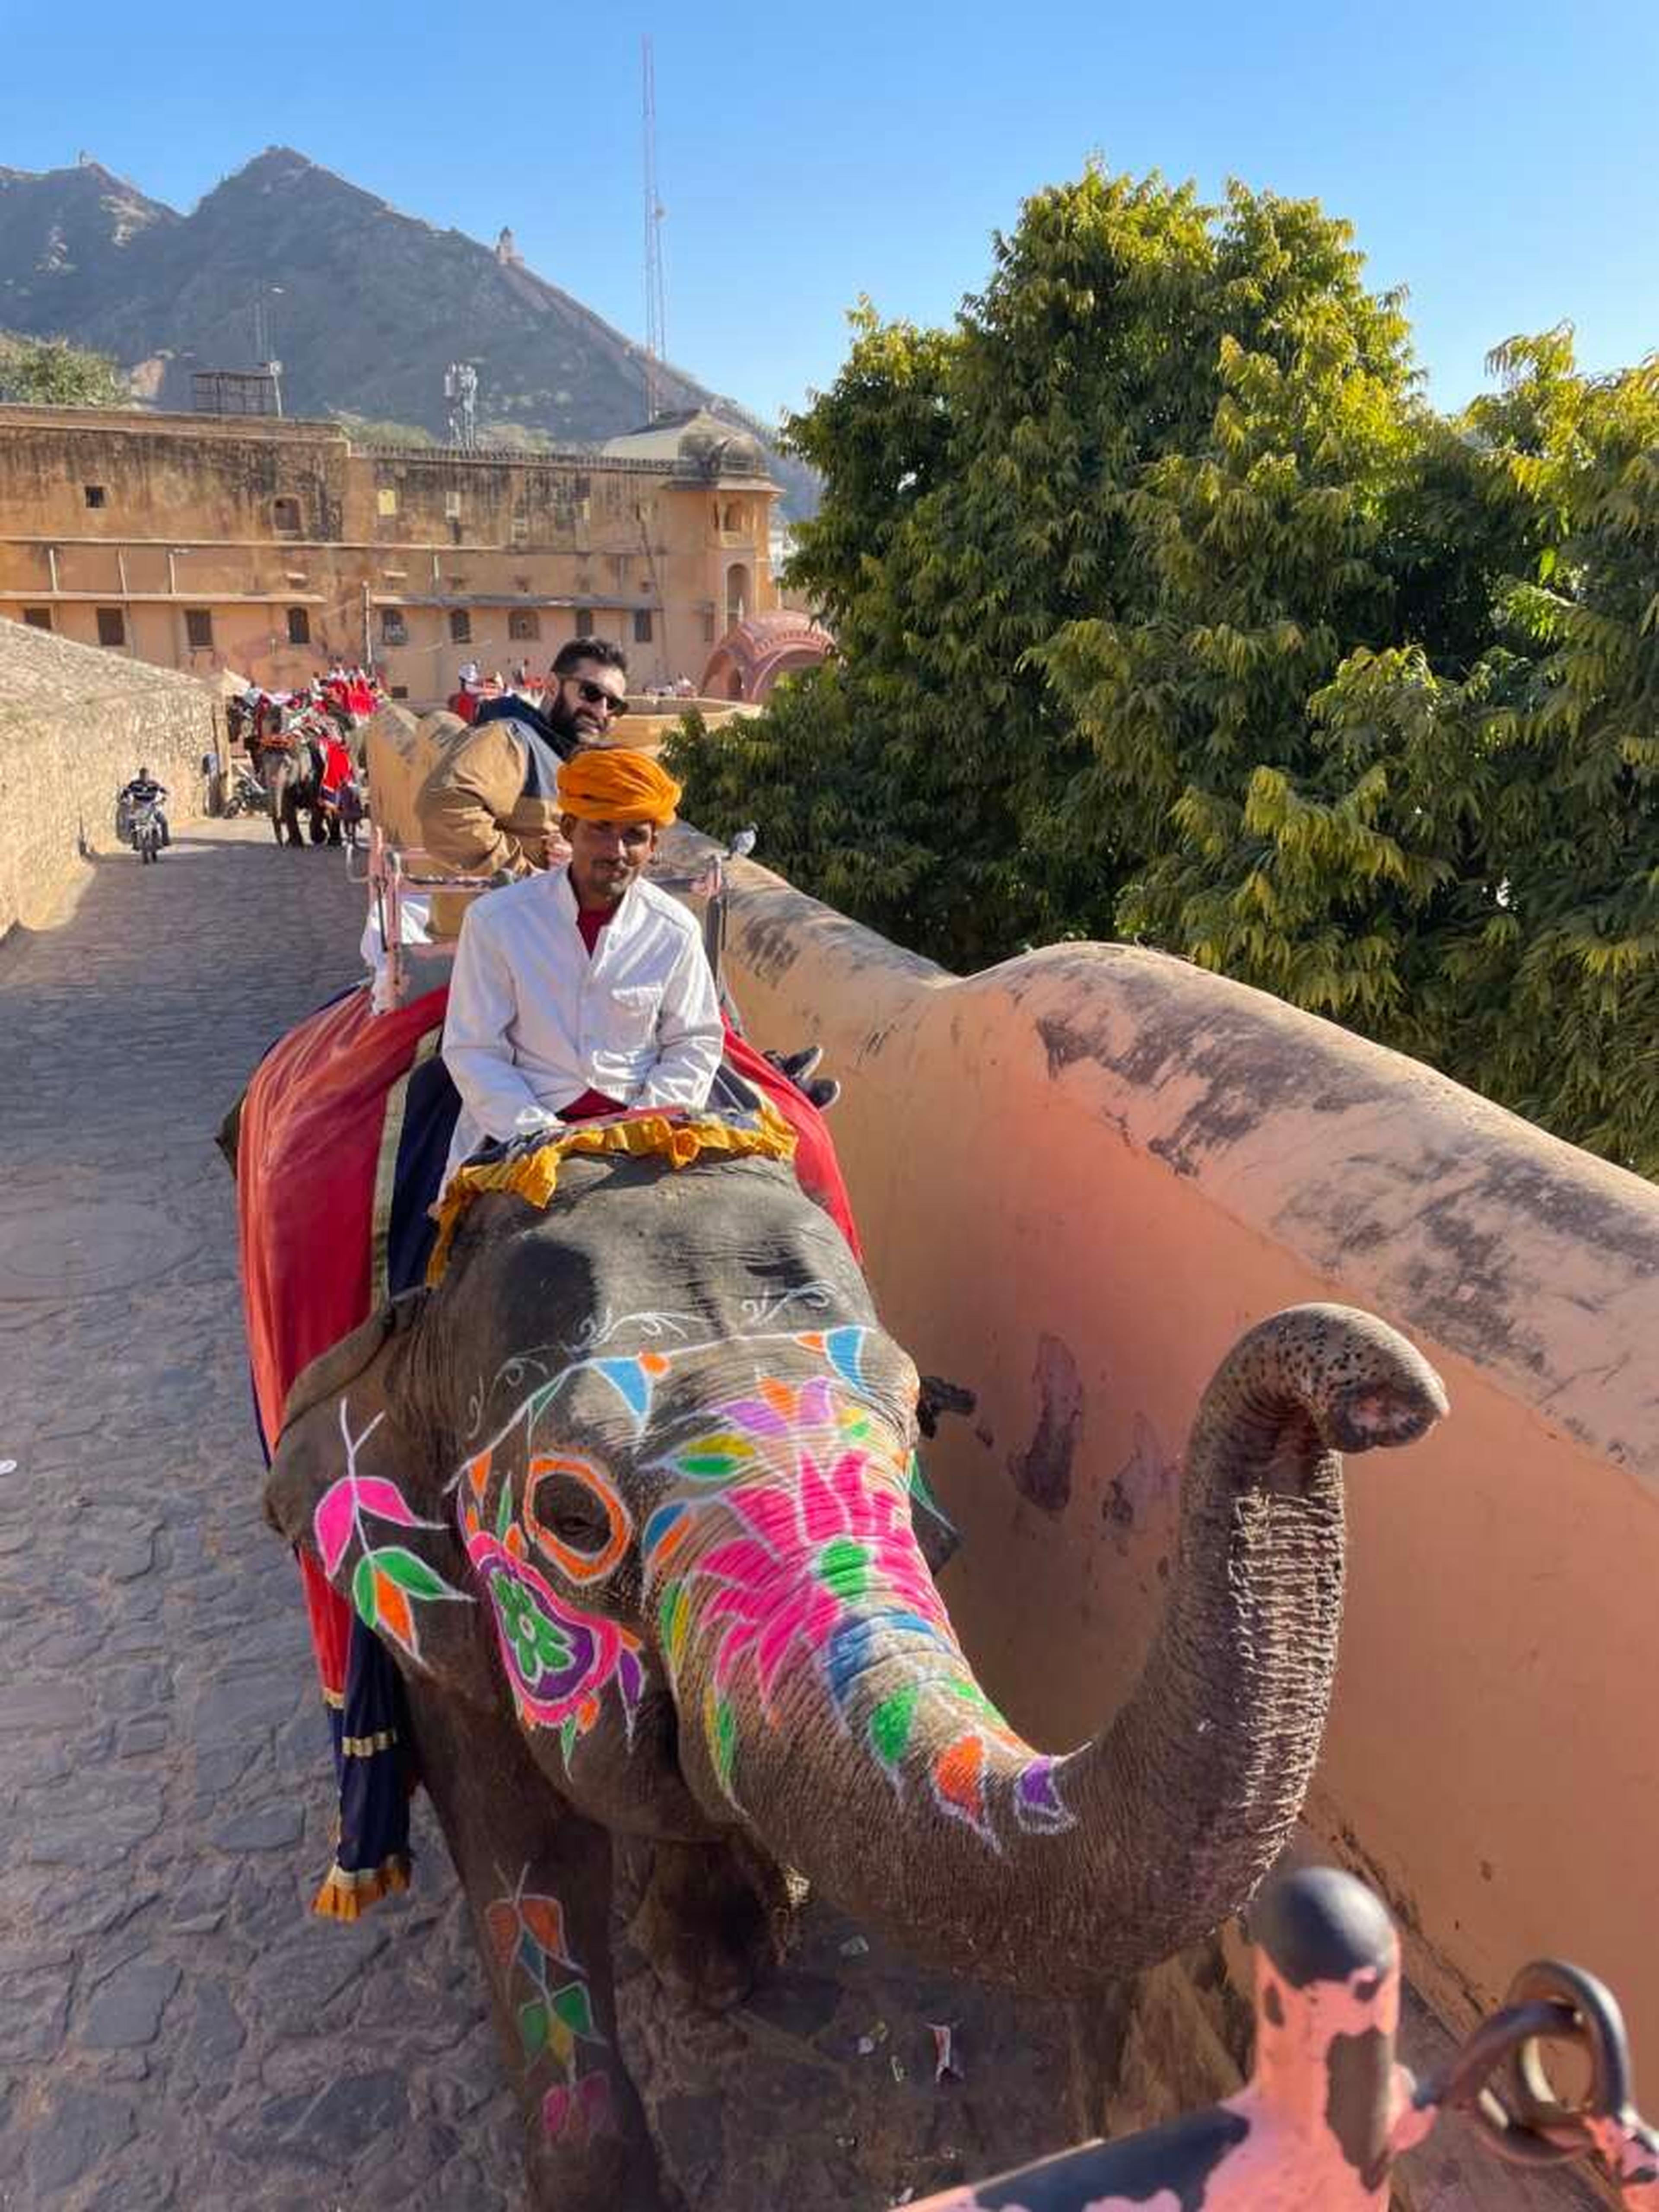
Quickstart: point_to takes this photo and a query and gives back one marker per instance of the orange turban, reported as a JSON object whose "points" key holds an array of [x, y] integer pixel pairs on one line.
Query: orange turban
{"points": [[609, 783]]}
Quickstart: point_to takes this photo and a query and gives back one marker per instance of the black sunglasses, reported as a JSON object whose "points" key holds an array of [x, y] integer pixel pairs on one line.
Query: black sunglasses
{"points": [[595, 694]]}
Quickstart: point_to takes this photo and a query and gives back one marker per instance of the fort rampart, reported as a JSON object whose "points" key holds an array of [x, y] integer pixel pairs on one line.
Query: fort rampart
{"points": [[1080, 1176], [74, 724]]}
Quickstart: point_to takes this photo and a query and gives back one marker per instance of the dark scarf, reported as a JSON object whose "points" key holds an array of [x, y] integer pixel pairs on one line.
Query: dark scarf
{"points": [[511, 707]]}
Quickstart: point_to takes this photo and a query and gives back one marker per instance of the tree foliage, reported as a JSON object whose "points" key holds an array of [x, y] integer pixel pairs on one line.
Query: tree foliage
{"points": [[369, 430], [52, 373], [1166, 608], [1489, 839]]}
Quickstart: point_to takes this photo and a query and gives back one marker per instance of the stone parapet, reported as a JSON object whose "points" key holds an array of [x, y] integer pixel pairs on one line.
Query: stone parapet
{"points": [[75, 723], [1079, 1176]]}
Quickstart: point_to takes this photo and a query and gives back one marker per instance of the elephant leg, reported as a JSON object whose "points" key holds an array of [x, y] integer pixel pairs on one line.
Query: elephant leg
{"points": [[537, 1882], [712, 1918]]}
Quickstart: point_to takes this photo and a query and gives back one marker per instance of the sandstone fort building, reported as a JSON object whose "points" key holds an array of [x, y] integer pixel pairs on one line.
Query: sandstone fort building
{"points": [[204, 542]]}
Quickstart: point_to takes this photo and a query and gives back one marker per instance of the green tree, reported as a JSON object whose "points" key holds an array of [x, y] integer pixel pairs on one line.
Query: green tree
{"points": [[1166, 608], [367, 430], [993, 756], [52, 373], [1471, 869]]}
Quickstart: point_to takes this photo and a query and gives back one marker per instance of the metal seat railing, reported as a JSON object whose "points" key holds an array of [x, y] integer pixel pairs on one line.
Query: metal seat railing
{"points": [[1327, 2111], [391, 870]]}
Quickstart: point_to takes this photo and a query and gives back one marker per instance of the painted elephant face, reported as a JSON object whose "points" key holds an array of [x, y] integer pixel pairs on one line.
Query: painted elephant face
{"points": [[620, 1491], [604, 1494]]}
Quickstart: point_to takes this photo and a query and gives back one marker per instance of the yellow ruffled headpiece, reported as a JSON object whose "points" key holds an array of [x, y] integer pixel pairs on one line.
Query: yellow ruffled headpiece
{"points": [[675, 1136]]}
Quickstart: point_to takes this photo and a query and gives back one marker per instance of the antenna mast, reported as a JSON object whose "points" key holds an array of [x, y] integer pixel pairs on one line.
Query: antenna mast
{"points": [[655, 292]]}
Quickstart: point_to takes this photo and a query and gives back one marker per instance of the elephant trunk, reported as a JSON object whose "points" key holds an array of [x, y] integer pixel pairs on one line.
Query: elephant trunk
{"points": [[825, 1702]]}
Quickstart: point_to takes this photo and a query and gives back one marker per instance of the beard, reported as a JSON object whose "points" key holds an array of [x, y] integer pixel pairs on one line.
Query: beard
{"points": [[577, 726], [560, 717]]}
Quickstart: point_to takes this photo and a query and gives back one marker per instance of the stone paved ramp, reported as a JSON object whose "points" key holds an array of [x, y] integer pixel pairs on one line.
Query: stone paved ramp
{"points": [[174, 2028]]}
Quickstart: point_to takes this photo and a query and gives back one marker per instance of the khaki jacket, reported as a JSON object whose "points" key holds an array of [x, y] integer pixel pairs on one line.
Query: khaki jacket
{"points": [[488, 805]]}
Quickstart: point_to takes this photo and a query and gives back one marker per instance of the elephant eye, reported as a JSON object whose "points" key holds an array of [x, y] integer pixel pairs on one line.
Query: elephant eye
{"points": [[565, 1505], [576, 1517], [574, 1521]]}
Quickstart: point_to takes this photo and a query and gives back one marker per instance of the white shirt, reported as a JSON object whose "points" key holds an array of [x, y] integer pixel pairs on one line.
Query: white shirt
{"points": [[533, 1021]]}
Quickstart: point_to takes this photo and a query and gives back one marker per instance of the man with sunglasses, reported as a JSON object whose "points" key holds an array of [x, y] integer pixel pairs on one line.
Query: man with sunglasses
{"points": [[490, 807]]}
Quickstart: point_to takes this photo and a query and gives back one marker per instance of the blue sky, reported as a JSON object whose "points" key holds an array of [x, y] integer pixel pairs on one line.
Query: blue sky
{"points": [[1501, 162]]}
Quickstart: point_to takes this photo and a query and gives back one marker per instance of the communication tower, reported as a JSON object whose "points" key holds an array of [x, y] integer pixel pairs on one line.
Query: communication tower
{"points": [[461, 392], [267, 365], [656, 311]]}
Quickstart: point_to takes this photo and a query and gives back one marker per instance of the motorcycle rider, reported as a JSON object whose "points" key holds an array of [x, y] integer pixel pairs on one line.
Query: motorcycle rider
{"points": [[142, 791]]}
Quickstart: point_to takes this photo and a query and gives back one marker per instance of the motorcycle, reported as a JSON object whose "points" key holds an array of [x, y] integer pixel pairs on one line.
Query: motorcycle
{"points": [[246, 794], [145, 829]]}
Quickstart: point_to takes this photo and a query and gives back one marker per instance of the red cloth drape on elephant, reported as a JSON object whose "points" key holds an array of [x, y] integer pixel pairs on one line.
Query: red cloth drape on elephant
{"points": [[309, 1160]]}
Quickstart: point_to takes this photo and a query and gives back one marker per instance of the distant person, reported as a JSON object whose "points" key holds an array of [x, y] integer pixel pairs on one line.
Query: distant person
{"points": [[242, 717], [142, 791], [490, 807]]}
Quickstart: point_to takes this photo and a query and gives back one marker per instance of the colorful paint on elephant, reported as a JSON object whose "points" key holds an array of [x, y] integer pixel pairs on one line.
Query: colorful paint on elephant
{"points": [[575, 1563], [389, 1581], [634, 1376], [547, 1994], [819, 1566], [559, 1659], [815, 1563]]}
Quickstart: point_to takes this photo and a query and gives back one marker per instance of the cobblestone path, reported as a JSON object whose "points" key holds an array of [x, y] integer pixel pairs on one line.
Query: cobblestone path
{"points": [[175, 2029]]}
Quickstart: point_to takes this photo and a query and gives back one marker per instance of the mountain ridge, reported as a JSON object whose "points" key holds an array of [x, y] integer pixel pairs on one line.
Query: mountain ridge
{"points": [[373, 305]]}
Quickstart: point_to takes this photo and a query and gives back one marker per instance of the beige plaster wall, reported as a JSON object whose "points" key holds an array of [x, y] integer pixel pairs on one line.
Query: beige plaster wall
{"points": [[1079, 1176], [75, 723], [213, 475], [188, 518]]}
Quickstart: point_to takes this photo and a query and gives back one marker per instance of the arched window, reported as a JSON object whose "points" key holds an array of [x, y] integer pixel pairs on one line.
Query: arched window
{"points": [[736, 594]]}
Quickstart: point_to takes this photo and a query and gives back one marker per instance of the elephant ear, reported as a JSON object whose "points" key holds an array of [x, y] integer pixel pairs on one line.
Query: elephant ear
{"points": [[360, 1489], [343, 1363], [935, 1532]]}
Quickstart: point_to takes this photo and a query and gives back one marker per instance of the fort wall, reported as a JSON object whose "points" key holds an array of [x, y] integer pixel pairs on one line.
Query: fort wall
{"points": [[75, 723], [1080, 1176], [269, 548]]}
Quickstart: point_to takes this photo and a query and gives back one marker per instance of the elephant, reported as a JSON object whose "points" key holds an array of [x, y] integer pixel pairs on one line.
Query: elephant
{"points": [[283, 770], [289, 775], [628, 1494]]}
